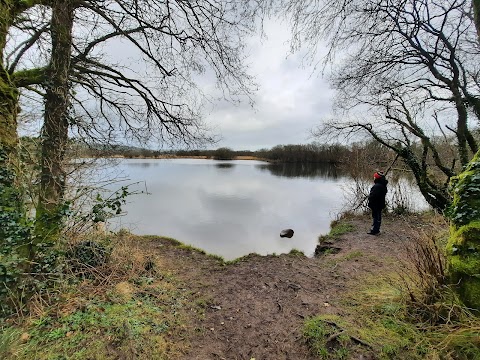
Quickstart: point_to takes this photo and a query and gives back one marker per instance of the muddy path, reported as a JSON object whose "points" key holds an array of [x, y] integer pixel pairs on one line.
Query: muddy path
{"points": [[256, 307]]}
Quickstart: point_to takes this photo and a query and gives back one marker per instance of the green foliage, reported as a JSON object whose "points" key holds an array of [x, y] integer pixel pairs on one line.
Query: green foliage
{"points": [[463, 248], [27, 264], [106, 208], [466, 194], [25, 251], [15, 230]]}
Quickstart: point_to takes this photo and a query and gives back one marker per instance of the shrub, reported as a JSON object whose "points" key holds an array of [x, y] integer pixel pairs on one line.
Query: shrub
{"points": [[224, 154]]}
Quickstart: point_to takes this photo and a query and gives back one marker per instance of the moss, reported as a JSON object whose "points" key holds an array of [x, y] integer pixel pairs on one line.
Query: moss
{"points": [[463, 248], [470, 291], [465, 236], [29, 77], [468, 265], [466, 194], [8, 114]]}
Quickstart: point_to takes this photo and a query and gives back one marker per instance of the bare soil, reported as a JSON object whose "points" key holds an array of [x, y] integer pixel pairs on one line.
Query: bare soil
{"points": [[256, 307]]}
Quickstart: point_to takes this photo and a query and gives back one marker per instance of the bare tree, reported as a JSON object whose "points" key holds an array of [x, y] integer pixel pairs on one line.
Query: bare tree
{"points": [[95, 90], [396, 57]]}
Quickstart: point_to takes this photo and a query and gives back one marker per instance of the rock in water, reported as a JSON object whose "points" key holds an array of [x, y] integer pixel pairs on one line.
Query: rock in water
{"points": [[288, 233]]}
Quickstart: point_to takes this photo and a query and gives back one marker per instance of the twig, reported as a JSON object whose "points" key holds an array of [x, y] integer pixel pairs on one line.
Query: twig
{"points": [[357, 340], [280, 308], [334, 336]]}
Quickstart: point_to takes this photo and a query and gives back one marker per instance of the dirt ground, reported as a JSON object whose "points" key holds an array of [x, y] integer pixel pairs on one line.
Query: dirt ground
{"points": [[257, 306]]}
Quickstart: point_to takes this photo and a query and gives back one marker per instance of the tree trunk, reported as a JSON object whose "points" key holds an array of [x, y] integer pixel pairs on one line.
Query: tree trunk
{"points": [[476, 13], [462, 128], [55, 128], [463, 249], [436, 196], [8, 92]]}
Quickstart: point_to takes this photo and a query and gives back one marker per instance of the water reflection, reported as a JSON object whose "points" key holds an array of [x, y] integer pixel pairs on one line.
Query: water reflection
{"points": [[233, 208], [224, 165], [303, 170], [142, 164]]}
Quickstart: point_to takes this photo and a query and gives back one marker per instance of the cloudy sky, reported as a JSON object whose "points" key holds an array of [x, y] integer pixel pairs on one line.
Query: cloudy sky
{"points": [[291, 100]]}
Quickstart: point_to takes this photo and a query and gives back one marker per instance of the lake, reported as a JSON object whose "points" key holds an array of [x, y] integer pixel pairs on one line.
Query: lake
{"points": [[232, 208]]}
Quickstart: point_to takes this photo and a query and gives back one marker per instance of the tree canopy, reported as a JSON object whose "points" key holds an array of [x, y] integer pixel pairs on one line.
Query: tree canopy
{"points": [[134, 65], [406, 74]]}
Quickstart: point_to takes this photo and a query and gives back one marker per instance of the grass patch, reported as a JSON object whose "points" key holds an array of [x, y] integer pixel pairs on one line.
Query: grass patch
{"points": [[119, 311], [337, 229], [10, 343], [295, 252], [183, 246], [376, 321], [325, 340], [200, 251], [136, 326]]}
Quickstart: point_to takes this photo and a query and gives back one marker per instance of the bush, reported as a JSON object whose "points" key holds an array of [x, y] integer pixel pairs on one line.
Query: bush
{"points": [[224, 154], [88, 254]]}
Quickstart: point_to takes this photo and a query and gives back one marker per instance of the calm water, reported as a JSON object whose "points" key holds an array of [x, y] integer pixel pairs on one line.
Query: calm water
{"points": [[232, 208]]}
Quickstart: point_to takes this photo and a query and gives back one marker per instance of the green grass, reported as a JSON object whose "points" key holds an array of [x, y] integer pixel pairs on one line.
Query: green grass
{"points": [[378, 316], [325, 340], [341, 228], [183, 246], [9, 342], [337, 229], [140, 324], [200, 251], [295, 252]]}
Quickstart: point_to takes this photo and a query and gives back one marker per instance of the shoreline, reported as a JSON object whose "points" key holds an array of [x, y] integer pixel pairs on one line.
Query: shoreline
{"points": [[161, 157]]}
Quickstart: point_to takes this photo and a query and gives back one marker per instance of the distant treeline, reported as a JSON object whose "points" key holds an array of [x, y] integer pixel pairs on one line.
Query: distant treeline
{"points": [[360, 155], [314, 152]]}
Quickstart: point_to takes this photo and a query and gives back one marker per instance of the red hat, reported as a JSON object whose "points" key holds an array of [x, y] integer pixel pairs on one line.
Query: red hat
{"points": [[378, 175]]}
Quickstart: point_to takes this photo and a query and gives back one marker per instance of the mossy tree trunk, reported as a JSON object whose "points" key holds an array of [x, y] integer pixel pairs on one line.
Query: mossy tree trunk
{"points": [[55, 128], [463, 249], [14, 230], [8, 92], [14, 235]]}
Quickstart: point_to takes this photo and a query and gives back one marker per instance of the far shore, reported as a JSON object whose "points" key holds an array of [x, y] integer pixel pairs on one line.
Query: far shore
{"points": [[183, 157]]}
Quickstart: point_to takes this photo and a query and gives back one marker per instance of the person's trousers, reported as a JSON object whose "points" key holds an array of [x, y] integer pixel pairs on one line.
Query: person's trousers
{"points": [[377, 220]]}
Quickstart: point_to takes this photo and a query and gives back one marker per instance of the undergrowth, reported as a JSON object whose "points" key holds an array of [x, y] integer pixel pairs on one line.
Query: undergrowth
{"points": [[409, 313], [377, 321], [127, 308]]}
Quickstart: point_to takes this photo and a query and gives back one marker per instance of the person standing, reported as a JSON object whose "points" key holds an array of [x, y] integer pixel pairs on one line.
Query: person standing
{"points": [[376, 201]]}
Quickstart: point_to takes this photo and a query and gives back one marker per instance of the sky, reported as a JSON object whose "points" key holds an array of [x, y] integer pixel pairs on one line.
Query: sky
{"points": [[292, 97]]}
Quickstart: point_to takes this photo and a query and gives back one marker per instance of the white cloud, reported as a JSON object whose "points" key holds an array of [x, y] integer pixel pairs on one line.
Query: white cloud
{"points": [[290, 101]]}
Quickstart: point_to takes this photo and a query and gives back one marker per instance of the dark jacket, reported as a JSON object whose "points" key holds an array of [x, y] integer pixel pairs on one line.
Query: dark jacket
{"points": [[376, 198]]}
